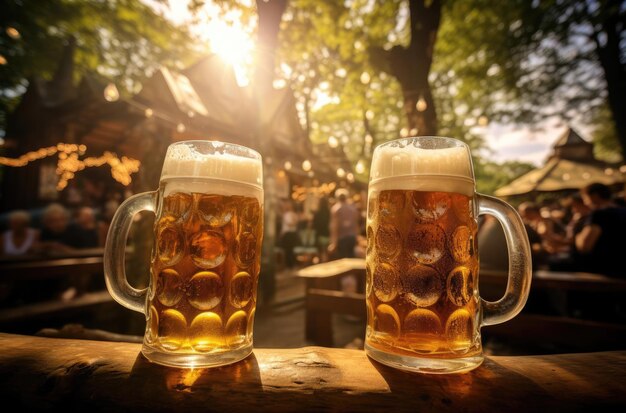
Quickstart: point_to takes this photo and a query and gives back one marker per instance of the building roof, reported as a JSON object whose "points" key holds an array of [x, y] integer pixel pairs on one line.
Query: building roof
{"points": [[570, 137], [571, 166], [561, 174]]}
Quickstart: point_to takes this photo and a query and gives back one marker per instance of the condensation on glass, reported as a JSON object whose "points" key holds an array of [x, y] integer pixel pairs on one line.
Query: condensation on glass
{"points": [[424, 309], [205, 263]]}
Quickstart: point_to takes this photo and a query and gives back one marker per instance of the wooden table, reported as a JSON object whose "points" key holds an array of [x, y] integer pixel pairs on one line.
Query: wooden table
{"points": [[324, 298], [42, 373], [565, 281], [322, 295]]}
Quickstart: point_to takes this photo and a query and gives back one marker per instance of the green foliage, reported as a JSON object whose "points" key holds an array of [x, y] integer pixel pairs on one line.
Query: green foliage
{"points": [[122, 40], [523, 61], [492, 175], [323, 53], [606, 143]]}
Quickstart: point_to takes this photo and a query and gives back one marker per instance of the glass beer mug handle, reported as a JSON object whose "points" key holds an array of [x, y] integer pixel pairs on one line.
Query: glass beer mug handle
{"points": [[114, 271], [520, 265]]}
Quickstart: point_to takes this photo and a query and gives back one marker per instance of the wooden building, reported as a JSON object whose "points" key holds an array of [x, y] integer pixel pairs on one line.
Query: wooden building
{"points": [[203, 101]]}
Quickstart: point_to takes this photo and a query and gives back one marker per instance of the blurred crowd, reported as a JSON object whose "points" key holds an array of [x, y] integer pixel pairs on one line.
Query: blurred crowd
{"points": [[583, 232], [56, 229], [336, 229]]}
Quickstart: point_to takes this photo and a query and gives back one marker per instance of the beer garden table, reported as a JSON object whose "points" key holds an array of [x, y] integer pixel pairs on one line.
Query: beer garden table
{"points": [[42, 373], [324, 298]]}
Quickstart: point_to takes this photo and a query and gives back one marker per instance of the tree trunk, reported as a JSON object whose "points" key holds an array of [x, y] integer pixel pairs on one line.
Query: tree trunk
{"points": [[270, 14], [411, 66], [614, 71]]}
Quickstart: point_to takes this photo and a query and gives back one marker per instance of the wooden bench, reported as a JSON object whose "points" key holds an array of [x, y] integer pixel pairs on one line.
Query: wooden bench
{"points": [[75, 267], [324, 298], [50, 268], [54, 308], [79, 375]]}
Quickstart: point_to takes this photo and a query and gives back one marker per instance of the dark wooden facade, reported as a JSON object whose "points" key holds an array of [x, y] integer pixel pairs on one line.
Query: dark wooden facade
{"points": [[203, 101]]}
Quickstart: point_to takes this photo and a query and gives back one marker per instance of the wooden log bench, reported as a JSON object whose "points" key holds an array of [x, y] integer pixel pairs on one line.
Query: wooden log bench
{"points": [[77, 375], [324, 298]]}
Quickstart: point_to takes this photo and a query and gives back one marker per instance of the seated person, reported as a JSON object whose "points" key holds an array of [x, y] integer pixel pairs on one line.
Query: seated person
{"points": [[20, 238], [83, 233], [601, 239], [492, 244], [54, 234], [552, 241]]}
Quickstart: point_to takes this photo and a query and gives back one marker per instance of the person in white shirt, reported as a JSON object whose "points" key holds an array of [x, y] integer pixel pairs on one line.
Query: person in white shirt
{"points": [[20, 238]]}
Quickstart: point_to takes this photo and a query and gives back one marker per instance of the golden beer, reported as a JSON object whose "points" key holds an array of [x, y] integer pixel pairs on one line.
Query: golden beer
{"points": [[205, 267], [205, 262], [424, 309], [421, 270]]}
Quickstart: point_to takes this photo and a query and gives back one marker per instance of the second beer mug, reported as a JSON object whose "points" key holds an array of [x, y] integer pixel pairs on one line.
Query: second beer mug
{"points": [[424, 310], [205, 264]]}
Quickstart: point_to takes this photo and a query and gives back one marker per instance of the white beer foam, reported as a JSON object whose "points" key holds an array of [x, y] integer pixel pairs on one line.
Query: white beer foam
{"points": [[419, 169], [187, 170]]}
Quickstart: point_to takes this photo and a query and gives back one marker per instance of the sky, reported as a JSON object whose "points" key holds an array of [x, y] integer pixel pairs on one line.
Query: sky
{"points": [[504, 142], [521, 143]]}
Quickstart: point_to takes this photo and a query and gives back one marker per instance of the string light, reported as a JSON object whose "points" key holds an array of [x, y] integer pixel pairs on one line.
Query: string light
{"points": [[69, 163], [3, 60], [483, 120], [333, 142], [306, 165], [279, 83], [13, 33], [111, 94], [350, 177], [287, 165], [149, 112], [365, 78], [421, 104], [341, 172], [413, 132], [300, 192], [180, 128], [360, 167]]}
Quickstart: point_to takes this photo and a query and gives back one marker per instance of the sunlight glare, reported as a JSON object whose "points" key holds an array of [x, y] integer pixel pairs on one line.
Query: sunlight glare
{"points": [[231, 43]]}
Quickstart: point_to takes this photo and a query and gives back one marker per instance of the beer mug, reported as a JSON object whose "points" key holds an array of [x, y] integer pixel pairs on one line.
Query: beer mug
{"points": [[424, 309], [205, 262]]}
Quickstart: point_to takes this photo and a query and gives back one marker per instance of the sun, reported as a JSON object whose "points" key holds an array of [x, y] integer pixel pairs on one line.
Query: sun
{"points": [[231, 43], [224, 32]]}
